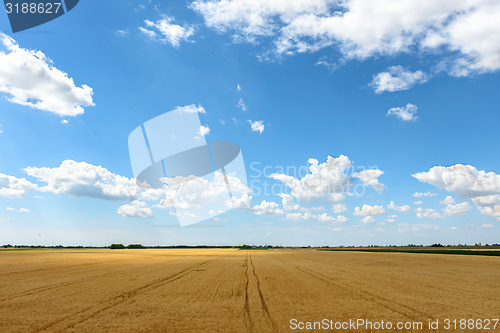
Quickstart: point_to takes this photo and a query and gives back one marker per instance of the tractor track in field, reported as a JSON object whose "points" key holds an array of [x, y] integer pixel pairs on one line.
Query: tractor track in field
{"points": [[412, 313], [33, 291], [265, 309], [248, 318], [90, 312], [449, 289]]}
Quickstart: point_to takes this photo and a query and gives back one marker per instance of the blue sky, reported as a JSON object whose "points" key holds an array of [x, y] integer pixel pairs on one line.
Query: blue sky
{"points": [[404, 99]]}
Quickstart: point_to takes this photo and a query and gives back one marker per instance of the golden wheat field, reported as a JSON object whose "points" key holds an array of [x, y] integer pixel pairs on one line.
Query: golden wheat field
{"points": [[227, 290]]}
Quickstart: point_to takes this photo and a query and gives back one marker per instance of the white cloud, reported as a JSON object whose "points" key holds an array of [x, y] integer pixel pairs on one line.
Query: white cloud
{"points": [[122, 33], [166, 31], [242, 203], [257, 126], [464, 180], [419, 195], [204, 130], [397, 79], [325, 218], [327, 181], [15, 188], [419, 202], [405, 113], [404, 208], [339, 208], [367, 220], [222, 122], [369, 178], [135, 209], [21, 210], [369, 210], [268, 209], [241, 105], [390, 220], [392, 216], [487, 225], [465, 29], [447, 201], [80, 179], [64, 121], [491, 211], [245, 203], [428, 214], [213, 212], [288, 204], [238, 87], [487, 201], [460, 209], [190, 109], [29, 78]]}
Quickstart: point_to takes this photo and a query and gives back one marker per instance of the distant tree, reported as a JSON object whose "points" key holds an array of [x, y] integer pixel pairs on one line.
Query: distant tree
{"points": [[437, 245], [117, 246], [135, 246]]}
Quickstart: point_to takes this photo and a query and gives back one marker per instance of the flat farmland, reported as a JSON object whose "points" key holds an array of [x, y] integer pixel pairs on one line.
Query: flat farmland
{"points": [[227, 290]]}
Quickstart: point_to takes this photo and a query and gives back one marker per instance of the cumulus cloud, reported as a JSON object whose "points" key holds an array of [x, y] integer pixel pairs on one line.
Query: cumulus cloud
{"points": [[397, 79], [190, 109], [367, 220], [268, 209], [369, 178], [404, 208], [244, 203], [460, 209], [238, 87], [491, 211], [390, 220], [80, 179], [463, 31], [29, 78], [204, 130], [288, 204], [369, 210], [405, 113], [487, 201], [339, 208], [419, 195], [257, 126], [241, 105], [327, 181], [135, 209], [428, 213], [320, 218], [165, 31], [464, 180], [419, 202], [15, 188], [447, 201]]}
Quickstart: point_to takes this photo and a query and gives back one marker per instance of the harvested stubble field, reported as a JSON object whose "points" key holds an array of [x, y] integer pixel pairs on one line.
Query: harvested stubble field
{"points": [[226, 290]]}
